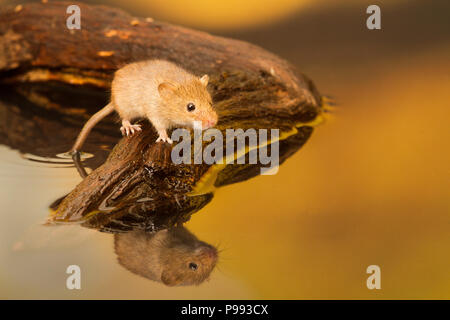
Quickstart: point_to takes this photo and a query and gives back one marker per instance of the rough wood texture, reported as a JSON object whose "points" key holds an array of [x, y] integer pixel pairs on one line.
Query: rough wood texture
{"points": [[138, 186], [35, 39]]}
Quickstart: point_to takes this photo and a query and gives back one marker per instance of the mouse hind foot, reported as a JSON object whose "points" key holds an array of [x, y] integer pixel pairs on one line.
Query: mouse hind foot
{"points": [[129, 129]]}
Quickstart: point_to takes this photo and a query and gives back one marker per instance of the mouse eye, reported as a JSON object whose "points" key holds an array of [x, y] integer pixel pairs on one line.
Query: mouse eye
{"points": [[193, 266], [190, 107]]}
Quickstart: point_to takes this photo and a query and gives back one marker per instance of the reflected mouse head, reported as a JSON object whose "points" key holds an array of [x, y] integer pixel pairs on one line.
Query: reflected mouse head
{"points": [[188, 264], [174, 256]]}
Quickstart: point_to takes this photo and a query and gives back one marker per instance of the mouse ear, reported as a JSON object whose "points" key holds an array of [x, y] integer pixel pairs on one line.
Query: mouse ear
{"points": [[169, 279], [166, 88], [204, 80]]}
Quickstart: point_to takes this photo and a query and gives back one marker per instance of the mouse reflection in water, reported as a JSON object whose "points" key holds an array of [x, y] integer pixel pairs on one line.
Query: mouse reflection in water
{"points": [[173, 256]]}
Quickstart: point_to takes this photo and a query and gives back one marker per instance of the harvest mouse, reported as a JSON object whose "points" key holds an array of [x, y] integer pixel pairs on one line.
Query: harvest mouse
{"points": [[159, 90], [173, 256]]}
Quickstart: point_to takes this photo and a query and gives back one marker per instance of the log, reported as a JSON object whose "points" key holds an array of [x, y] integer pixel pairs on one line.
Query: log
{"points": [[36, 44], [138, 186]]}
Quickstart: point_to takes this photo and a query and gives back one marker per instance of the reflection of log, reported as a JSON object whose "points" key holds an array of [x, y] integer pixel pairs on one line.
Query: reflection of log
{"points": [[140, 187], [46, 132], [251, 88]]}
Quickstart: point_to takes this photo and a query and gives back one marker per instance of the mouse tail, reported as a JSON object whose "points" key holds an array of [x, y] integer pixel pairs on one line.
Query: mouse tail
{"points": [[91, 124]]}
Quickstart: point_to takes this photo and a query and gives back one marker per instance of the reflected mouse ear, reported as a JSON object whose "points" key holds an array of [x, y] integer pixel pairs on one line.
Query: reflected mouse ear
{"points": [[166, 88], [204, 80], [170, 279]]}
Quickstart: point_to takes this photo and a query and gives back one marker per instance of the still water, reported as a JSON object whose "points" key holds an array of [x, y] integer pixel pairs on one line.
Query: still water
{"points": [[370, 187]]}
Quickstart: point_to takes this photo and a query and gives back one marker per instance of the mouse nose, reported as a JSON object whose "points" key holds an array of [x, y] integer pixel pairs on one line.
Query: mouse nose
{"points": [[208, 124]]}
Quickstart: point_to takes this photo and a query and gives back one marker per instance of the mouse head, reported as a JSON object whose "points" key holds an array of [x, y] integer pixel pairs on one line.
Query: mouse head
{"points": [[189, 102], [173, 256], [188, 265], [187, 260]]}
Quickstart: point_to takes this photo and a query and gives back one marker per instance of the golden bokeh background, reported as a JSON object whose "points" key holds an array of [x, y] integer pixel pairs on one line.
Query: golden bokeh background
{"points": [[371, 186], [218, 15]]}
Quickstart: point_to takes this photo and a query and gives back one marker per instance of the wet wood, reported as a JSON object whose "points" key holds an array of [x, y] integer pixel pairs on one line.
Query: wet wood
{"points": [[140, 187]]}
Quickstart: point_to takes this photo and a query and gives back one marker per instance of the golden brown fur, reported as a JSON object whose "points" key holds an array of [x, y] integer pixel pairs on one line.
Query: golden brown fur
{"points": [[160, 91], [166, 256]]}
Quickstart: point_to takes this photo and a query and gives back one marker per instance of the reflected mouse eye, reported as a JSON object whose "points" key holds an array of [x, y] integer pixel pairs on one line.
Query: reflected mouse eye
{"points": [[193, 266], [190, 107]]}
